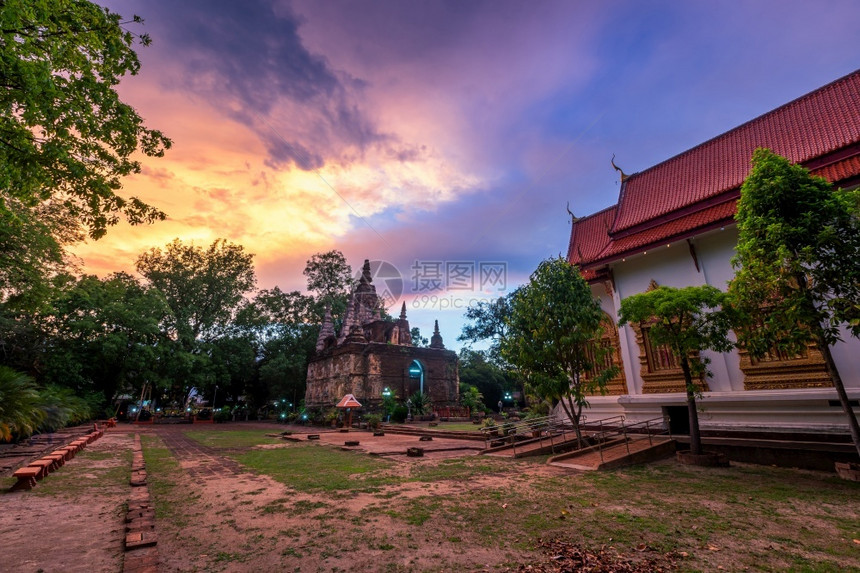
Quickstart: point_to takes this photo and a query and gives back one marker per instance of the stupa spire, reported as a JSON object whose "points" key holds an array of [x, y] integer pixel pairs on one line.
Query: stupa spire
{"points": [[436, 339], [326, 330]]}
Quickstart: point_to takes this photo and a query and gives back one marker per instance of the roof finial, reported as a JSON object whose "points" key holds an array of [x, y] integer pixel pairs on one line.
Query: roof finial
{"points": [[573, 218], [403, 311], [624, 176]]}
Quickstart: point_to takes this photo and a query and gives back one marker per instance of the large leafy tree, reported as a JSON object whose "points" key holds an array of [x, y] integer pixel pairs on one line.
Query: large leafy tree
{"points": [[687, 320], [66, 138], [104, 335], [204, 287], [31, 252], [553, 323], [488, 321], [491, 381], [329, 277], [798, 264], [283, 327]]}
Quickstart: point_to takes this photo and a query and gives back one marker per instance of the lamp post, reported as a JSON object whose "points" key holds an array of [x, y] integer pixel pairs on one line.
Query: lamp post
{"points": [[409, 408], [386, 395]]}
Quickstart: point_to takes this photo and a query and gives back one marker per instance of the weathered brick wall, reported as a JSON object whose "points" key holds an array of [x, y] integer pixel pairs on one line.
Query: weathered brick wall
{"points": [[365, 370]]}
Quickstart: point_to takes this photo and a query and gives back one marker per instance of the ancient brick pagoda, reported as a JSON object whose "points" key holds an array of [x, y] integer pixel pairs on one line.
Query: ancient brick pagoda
{"points": [[371, 355]]}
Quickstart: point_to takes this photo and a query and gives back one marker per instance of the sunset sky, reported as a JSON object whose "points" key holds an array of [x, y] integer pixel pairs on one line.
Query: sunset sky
{"points": [[440, 131]]}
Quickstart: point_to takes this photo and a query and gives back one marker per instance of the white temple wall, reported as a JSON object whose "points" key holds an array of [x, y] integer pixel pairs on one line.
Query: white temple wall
{"points": [[727, 405]]}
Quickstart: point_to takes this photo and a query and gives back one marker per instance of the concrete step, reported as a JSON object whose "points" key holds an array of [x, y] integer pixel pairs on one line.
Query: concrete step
{"points": [[436, 432]]}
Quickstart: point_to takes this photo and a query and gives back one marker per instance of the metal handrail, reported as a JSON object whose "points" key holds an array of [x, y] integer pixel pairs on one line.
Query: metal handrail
{"points": [[625, 428], [551, 427], [511, 429]]}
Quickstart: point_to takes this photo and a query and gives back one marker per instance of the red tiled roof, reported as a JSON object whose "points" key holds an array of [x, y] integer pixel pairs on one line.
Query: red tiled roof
{"points": [[590, 236], [348, 401], [841, 170], [808, 127], [698, 189], [681, 228]]}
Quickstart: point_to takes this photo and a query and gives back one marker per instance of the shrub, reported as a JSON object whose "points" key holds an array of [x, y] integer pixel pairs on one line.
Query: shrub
{"points": [[19, 404], [222, 415], [62, 407], [373, 421], [399, 414]]}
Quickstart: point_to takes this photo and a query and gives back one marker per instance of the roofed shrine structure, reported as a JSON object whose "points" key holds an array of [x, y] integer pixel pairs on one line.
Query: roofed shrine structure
{"points": [[371, 355], [674, 225]]}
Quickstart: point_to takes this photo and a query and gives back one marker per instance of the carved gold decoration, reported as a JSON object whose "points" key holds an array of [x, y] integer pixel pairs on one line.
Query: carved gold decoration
{"points": [[617, 386], [659, 368], [607, 287], [779, 372]]}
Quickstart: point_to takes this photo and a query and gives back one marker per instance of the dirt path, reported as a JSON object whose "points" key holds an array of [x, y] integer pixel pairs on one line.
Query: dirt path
{"points": [[73, 520]]}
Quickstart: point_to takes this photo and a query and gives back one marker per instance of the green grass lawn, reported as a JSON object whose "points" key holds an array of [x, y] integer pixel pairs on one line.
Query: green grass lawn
{"points": [[230, 439]]}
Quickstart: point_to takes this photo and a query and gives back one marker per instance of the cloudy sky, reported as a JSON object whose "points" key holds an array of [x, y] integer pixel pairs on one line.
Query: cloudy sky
{"points": [[448, 133]]}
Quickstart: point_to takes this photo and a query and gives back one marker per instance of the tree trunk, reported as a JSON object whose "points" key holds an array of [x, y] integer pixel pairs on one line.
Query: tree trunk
{"points": [[833, 371], [695, 437], [573, 416]]}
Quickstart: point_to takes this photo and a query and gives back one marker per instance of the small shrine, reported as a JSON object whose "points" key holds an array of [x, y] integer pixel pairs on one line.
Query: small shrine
{"points": [[371, 356]]}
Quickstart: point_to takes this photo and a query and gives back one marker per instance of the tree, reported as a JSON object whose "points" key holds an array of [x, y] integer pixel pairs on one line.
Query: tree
{"points": [[104, 335], [417, 339], [234, 364], [471, 398], [203, 287], [274, 306], [484, 375], [553, 323], [798, 264], [490, 322], [65, 136], [687, 320], [330, 277], [31, 251]]}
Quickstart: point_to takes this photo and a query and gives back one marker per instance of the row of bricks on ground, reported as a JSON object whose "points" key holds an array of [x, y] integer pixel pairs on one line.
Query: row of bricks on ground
{"points": [[36, 470], [140, 517], [140, 562]]}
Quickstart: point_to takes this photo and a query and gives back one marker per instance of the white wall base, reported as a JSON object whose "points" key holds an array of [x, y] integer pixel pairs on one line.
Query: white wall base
{"points": [[803, 410]]}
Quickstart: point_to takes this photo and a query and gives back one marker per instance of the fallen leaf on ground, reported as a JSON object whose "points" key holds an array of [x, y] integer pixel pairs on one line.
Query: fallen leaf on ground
{"points": [[566, 557]]}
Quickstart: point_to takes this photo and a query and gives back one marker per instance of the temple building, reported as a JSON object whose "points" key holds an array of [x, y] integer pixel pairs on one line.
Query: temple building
{"points": [[674, 225], [371, 356]]}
